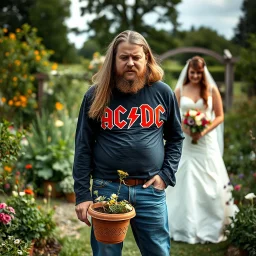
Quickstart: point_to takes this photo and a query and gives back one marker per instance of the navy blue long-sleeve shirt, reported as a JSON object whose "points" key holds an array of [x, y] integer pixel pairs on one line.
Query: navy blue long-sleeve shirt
{"points": [[130, 136]]}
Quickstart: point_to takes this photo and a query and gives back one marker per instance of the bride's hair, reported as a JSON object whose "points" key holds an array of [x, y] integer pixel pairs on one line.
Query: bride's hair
{"points": [[198, 64]]}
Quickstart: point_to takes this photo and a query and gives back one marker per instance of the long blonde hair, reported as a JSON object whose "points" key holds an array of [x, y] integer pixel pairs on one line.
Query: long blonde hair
{"points": [[105, 81]]}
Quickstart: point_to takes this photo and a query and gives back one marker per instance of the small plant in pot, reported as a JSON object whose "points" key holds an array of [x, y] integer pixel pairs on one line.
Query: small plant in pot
{"points": [[67, 187], [110, 217]]}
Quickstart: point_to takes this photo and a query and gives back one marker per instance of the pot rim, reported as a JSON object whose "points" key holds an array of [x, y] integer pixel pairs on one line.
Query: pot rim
{"points": [[109, 216]]}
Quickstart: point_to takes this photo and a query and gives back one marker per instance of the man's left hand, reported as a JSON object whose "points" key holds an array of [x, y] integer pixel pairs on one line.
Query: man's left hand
{"points": [[157, 183]]}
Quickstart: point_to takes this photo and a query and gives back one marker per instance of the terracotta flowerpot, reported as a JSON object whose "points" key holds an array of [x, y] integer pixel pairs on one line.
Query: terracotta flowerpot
{"points": [[110, 228], [71, 197]]}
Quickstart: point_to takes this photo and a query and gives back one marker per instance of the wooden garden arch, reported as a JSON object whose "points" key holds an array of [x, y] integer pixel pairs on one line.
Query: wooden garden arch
{"points": [[226, 59]]}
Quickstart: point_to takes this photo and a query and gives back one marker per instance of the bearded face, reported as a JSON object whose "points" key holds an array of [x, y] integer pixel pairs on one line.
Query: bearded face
{"points": [[131, 67]]}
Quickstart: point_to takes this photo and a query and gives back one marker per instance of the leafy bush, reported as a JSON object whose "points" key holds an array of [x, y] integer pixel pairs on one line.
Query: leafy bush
{"points": [[242, 230], [67, 185], [23, 55], [31, 222]]}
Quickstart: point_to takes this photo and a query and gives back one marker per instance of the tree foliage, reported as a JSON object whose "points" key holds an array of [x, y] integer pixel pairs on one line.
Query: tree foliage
{"points": [[114, 16], [247, 65], [247, 24], [48, 17]]}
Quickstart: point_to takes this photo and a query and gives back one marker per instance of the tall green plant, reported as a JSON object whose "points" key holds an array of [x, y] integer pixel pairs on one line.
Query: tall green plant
{"points": [[50, 147]]}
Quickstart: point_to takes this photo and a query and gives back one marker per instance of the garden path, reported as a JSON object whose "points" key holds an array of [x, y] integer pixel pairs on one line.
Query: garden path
{"points": [[66, 219]]}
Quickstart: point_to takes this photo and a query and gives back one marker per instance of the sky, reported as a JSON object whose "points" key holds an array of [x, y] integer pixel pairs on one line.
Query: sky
{"points": [[219, 15]]}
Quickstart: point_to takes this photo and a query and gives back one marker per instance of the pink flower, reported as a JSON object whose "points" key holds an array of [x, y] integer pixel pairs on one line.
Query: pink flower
{"points": [[237, 187], [11, 209], [6, 218], [3, 205]]}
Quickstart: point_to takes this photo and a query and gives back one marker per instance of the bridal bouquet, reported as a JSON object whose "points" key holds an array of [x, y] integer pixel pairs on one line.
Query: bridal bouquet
{"points": [[196, 121]]}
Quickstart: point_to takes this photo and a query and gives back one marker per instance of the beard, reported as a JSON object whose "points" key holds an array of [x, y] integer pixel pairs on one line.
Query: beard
{"points": [[131, 86]]}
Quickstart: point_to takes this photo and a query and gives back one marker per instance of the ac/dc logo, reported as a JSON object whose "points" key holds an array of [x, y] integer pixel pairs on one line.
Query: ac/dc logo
{"points": [[148, 116]]}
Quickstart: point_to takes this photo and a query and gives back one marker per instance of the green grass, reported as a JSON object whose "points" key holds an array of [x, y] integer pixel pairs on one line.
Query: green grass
{"points": [[81, 247]]}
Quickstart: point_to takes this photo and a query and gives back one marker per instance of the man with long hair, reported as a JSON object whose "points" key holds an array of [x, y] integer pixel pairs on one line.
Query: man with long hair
{"points": [[129, 120]]}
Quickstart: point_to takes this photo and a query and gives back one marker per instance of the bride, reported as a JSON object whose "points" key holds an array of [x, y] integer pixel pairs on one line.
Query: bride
{"points": [[200, 204]]}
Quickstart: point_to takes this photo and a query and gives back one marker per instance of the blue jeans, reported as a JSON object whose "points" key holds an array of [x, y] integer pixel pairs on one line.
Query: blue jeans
{"points": [[149, 226]]}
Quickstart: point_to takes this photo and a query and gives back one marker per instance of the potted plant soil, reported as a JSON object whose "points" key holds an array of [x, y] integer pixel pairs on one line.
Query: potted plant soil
{"points": [[110, 217]]}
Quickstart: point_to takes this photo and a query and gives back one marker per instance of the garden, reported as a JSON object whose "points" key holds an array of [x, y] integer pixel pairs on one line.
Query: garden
{"points": [[39, 104]]}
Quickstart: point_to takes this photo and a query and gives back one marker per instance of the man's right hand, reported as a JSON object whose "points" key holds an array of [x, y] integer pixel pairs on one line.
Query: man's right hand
{"points": [[82, 212]]}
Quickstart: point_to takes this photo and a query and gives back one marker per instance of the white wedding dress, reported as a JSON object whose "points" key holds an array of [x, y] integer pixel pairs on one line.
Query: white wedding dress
{"points": [[200, 204]]}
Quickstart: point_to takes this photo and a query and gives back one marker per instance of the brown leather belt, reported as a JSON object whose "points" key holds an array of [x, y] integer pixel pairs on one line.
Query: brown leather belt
{"points": [[132, 182]]}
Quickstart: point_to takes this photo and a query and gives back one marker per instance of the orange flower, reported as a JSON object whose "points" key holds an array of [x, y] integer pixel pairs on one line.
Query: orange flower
{"points": [[29, 191], [54, 66], [58, 106], [12, 36], [3, 99], [10, 102], [28, 166], [18, 30], [5, 30], [36, 52], [14, 79], [8, 168]]}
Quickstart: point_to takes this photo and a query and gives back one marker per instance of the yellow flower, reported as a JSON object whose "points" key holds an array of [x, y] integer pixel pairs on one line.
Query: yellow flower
{"points": [[29, 91], [36, 52], [7, 54], [38, 57], [112, 201], [17, 62], [5, 30], [12, 36], [18, 30], [58, 106], [14, 79], [45, 63], [54, 66], [3, 99], [43, 52]]}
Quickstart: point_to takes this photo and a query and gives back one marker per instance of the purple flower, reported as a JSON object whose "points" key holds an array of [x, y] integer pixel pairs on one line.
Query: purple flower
{"points": [[191, 121], [241, 175]]}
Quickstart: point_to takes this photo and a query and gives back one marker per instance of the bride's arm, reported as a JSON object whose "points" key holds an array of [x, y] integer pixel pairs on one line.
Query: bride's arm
{"points": [[218, 110], [177, 94]]}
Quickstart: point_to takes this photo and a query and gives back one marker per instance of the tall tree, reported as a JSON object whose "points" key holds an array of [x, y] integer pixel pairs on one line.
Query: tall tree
{"points": [[14, 13], [48, 17], [247, 23], [114, 16]]}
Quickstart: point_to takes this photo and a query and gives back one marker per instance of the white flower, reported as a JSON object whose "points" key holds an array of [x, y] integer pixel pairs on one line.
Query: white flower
{"points": [[24, 141], [192, 112], [198, 122], [10, 237], [22, 193], [128, 207], [59, 123], [15, 193], [252, 156], [114, 196], [17, 241], [250, 196], [19, 252]]}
